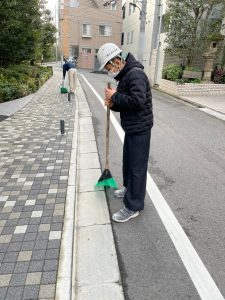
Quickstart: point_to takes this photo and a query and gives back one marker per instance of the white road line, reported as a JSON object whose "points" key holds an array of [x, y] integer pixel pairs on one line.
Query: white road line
{"points": [[199, 275]]}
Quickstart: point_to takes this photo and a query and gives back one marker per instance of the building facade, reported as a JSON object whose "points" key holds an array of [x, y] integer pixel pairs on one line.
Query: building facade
{"points": [[143, 35], [141, 32], [85, 26]]}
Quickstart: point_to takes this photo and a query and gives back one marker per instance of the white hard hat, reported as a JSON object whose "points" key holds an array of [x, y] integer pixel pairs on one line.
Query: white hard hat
{"points": [[107, 52]]}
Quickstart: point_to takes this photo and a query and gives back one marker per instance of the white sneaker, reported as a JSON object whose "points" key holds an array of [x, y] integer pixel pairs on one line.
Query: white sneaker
{"points": [[124, 215], [121, 192]]}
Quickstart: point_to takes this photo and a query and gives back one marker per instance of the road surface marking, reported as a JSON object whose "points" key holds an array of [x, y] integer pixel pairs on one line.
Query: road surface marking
{"points": [[197, 271]]}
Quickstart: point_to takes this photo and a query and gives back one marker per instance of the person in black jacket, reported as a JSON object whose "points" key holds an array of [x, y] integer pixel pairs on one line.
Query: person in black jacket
{"points": [[133, 99]]}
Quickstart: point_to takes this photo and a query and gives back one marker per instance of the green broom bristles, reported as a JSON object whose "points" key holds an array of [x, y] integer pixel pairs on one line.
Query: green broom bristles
{"points": [[106, 180], [63, 90]]}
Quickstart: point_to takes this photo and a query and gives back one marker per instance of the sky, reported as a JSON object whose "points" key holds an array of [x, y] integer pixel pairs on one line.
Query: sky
{"points": [[51, 5]]}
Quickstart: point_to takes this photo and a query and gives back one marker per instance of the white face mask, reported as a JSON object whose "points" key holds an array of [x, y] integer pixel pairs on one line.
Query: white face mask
{"points": [[113, 74]]}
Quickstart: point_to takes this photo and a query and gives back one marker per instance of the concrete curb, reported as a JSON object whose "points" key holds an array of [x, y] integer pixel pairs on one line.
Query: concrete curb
{"points": [[11, 107], [97, 272]]}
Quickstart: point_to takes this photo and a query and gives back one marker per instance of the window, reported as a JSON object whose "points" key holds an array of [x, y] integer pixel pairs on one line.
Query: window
{"points": [[75, 50], [86, 50], [128, 37], [122, 38], [86, 30], [132, 37], [124, 11], [105, 30], [113, 5], [132, 7], [73, 3]]}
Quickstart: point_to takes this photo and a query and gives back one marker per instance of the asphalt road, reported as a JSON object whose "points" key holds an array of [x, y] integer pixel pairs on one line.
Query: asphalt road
{"points": [[187, 163]]}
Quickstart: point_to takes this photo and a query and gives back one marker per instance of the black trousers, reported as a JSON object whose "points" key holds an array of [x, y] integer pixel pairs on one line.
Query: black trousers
{"points": [[136, 150]]}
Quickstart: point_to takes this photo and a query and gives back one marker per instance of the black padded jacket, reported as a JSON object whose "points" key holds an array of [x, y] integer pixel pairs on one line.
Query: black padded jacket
{"points": [[133, 98]]}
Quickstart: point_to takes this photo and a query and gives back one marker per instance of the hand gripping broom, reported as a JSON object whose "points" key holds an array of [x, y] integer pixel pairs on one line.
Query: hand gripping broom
{"points": [[106, 179]]}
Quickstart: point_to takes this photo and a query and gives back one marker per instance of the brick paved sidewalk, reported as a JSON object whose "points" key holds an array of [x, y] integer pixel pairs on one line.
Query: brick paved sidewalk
{"points": [[34, 165]]}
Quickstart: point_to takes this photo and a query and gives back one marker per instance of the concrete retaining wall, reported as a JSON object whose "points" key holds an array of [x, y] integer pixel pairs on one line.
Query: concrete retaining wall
{"points": [[191, 89]]}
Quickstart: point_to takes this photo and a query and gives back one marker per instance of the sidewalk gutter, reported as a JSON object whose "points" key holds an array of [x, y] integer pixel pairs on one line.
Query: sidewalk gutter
{"points": [[88, 267]]}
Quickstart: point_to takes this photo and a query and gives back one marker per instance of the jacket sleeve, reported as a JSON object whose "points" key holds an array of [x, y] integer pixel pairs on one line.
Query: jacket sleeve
{"points": [[116, 108], [135, 100]]}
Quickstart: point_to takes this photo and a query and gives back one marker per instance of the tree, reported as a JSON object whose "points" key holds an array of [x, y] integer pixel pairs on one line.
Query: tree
{"points": [[19, 23], [191, 25], [21, 30], [48, 32]]}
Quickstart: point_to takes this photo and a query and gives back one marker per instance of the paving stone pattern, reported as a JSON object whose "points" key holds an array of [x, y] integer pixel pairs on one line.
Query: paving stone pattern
{"points": [[34, 165]]}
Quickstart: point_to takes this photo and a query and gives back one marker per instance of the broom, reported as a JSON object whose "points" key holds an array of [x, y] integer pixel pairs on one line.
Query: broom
{"points": [[63, 90], [106, 179]]}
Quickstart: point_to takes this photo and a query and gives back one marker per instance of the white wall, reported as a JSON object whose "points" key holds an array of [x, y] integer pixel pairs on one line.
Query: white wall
{"points": [[132, 22], [158, 54], [148, 35]]}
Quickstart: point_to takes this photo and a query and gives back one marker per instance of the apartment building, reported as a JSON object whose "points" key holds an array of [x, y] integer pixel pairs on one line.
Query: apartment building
{"points": [[87, 24]]}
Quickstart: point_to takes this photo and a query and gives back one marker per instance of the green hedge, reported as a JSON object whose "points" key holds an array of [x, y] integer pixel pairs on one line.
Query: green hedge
{"points": [[172, 72], [21, 80]]}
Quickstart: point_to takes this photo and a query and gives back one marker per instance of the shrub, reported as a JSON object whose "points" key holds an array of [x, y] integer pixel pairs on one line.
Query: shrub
{"points": [[219, 76], [23, 90], [32, 85], [194, 80], [21, 80], [172, 72], [180, 81], [188, 80], [8, 91]]}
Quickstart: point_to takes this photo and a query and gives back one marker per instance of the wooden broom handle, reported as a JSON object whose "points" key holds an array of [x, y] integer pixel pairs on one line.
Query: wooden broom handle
{"points": [[107, 133]]}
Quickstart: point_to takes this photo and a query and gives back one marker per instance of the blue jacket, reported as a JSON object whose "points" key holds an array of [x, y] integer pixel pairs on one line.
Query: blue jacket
{"points": [[66, 67]]}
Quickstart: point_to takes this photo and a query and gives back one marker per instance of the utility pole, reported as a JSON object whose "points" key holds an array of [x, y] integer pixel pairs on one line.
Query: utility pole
{"points": [[158, 44], [141, 41], [141, 45]]}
